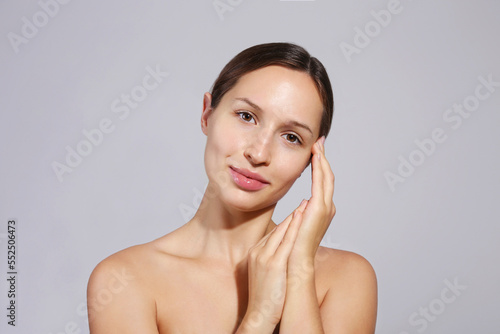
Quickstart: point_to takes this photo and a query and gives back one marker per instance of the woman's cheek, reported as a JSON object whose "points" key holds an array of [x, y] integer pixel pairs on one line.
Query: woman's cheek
{"points": [[299, 160], [222, 143]]}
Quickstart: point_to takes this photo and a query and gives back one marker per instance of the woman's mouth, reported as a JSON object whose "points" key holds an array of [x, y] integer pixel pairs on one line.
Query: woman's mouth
{"points": [[246, 179]]}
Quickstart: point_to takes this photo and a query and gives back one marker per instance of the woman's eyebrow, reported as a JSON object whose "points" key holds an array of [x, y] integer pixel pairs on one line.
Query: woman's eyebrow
{"points": [[287, 123], [298, 124], [250, 103]]}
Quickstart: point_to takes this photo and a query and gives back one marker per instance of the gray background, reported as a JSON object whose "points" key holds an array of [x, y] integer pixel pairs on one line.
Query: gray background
{"points": [[144, 179]]}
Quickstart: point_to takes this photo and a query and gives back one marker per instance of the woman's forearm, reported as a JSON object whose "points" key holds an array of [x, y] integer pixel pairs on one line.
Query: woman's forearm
{"points": [[255, 326], [301, 313]]}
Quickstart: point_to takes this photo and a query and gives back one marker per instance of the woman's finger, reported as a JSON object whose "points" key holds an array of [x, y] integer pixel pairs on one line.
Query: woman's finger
{"points": [[317, 191], [288, 242], [328, 177], [264, 238], [275, 237]]}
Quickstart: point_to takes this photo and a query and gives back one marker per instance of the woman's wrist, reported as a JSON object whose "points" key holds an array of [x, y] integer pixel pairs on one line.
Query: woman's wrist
{"points": [[255, 323], [303, 261]]}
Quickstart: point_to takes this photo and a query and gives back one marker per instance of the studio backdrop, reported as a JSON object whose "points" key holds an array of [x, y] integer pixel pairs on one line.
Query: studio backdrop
{"points": [[101, 146]]}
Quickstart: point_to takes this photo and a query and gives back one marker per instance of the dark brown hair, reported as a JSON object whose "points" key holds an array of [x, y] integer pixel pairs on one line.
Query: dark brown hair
{"points": [[284, 54]]}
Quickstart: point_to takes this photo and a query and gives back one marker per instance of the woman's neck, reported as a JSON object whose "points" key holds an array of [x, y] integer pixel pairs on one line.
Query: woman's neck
{"points": [[225, 234]]}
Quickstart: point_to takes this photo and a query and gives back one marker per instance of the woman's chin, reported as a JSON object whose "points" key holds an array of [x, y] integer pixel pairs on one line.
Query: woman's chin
{"points": [[247, 201]]}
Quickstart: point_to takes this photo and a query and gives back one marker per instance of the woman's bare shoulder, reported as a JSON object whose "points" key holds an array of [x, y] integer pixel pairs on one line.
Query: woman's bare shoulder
{"points": [[119, 295], [136, 259], [122, 288], [126, 266], [340, 256], [344, 266], [144, 262], [350, 303]]}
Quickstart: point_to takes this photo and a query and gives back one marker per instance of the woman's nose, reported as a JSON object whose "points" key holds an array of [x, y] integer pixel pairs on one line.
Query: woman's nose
{"points": [[258, 148]]}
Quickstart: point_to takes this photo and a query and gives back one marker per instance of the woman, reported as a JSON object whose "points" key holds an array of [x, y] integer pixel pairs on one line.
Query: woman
{"points": [[231, 269]]}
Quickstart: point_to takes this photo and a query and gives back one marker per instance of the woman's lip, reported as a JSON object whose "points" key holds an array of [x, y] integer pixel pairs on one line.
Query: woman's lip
{"points": [[245, 182], [249, 174]]}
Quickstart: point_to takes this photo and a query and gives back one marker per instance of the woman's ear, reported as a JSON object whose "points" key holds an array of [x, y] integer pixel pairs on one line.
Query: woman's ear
{"points": [[207, 110]]}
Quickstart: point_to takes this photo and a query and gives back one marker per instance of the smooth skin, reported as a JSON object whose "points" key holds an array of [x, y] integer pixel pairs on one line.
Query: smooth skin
{"points": [[231, 269]]}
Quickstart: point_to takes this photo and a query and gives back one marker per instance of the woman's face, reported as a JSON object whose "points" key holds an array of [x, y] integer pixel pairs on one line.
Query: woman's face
{"points": [[259, 138]]}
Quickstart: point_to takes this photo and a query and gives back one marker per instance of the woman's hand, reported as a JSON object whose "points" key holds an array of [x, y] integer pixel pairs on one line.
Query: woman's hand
{"points": [[290, 243], [319, 210], [267, 275]]}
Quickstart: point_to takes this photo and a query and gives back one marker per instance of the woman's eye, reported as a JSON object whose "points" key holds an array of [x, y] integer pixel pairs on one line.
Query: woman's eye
{"points": [[292, 138], [247, 117]]}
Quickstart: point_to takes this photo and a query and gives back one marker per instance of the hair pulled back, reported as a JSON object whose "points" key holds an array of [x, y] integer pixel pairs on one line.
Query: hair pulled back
{"points": [[282, 54]]}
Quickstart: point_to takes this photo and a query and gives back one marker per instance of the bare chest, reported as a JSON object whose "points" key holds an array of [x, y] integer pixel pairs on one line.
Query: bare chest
{"points": [[201, 303], [198, 300]]}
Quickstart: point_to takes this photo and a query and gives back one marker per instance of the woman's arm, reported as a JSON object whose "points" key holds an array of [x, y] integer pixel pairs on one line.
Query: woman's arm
{"points": [[117, 301], [350, 304], [301, 313], [267, 277]]}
